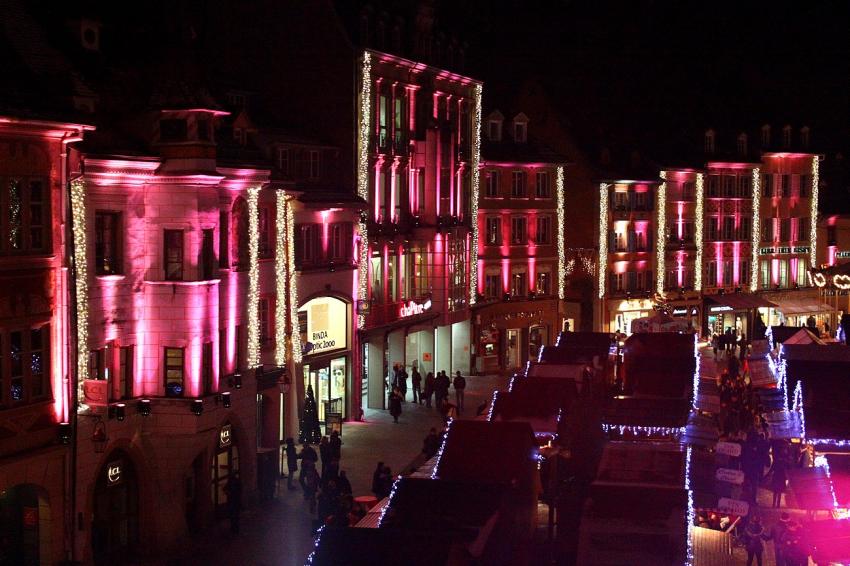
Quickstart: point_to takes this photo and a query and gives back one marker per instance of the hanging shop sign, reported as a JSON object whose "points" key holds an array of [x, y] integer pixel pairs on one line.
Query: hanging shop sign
{"points": [[412, 308], [843, 254], [115, 473], [720, 308], [729, 448], [785, 250], [327, 324], [730, 476], [225, 436], [733, 506]]}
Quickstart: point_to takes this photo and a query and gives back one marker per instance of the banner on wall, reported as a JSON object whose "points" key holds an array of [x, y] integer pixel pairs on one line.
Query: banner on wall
{"points": [[327, 324]]}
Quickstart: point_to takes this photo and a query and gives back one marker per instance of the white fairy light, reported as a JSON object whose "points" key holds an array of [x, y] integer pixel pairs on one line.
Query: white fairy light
{"points": [[560, 196], [698, 232], [661, 236], [295, 336], [78, 217], [603, 236], [813, 207], [476, 157], [691, 513], [754, 270], [281, 260], [253, 277], [363, 179]]}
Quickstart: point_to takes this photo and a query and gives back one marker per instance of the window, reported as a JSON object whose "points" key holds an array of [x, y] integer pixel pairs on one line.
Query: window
{"points": [[544, 230], [207, 260], [420, 190], [223, 240], [381, 197], [97, 364], [744, 275], [709, 141], [492, 190], [727, 273], [306, 244], [495, 130], [518, 281], [785, 230], [621, 200], [518, 184], [520, 132], [23, 203], [173, 255], [239, 234], [36, 214], [618, 282], [341, 240], [687, 231], [765, 135], [640, 200], [783, 273], [742, 144], [313, 161], [744, 186], [728, 227], [767, 230], [420, 272], [265, 321], [396, 196], [398, 120], [688, 190], [714, 185], [802, 270], [492, 285], [107, 226], [382, 120], [713, 228], [23, 361], [494, 230], [174, 372], [712, 273], [804, 136], [767, 185], [172, 130], [804, 186], [805, 228], [544, 283], [764, 268], [544, 189], [207, 367], [786, 137], [728, 185], [786, 185], [283, 161], [125, 372], [746, 231], [518, 230], [265, 233]]}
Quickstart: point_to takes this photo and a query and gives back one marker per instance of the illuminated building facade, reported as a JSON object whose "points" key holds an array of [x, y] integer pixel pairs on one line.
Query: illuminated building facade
{"points": [[418, 141], [35, 392], [834, 240], [628, 227], [521, 256]]}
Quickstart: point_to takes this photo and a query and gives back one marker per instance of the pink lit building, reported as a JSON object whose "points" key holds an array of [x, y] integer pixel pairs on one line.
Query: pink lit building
{"points": [[418, 143]]}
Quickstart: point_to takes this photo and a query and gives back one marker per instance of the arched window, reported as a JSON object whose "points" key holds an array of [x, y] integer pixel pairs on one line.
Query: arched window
{"points": [[239, 234]]}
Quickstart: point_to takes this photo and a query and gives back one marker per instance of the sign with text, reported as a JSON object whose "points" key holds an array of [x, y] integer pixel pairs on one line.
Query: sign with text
{"points": [[412, 308], [729, 475], [225, 437], [785, 250], [733, 506], [115, 472], [729, 448], [327, 324]]}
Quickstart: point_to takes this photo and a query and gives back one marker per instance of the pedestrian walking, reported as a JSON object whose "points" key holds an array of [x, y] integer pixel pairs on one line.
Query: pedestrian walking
{"points": [[325, 453], [336, 445], [308, 459], [385, 481], [395, 405], [777, 534], [460, 387], [429, 388], [402, 384], [233, 489], [779, 479], [416, 380], [754, 534], [291, 462]]}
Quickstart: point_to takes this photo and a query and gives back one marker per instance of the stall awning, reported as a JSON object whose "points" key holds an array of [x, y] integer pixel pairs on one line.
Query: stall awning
{"points": [[739, 301], [810, 305]]}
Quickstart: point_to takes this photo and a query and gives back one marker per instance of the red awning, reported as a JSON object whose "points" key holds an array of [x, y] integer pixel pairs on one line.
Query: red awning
{"points": [[740, 301]]}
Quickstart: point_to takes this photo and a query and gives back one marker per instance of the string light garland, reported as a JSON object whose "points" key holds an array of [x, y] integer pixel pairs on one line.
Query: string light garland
{"points": [[442, 448], [822, 462], [78, 218], [661, 236], [476, 158], [754, 270], [691, 512], [363, 180], [603, 235], [698, 232], [813, 224], [253, 277], [492, 405], [562, 268], [281, 262], [295, 336], [637, 430]]}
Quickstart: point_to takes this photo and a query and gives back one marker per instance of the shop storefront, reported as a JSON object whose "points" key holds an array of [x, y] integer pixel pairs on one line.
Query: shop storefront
{"points": [[734, 312], [115, 522], [621, 313], [25, 526], [225, 463], [802, 307], [325, 324], [509, 334]]}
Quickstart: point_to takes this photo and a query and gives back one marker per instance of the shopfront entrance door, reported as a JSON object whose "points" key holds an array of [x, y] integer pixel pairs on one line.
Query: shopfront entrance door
{"points": [[328, 382], [512, 349], [225, 463]]}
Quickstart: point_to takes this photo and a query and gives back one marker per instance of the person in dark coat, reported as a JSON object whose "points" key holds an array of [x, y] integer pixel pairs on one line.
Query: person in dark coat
{"points": [[402, 384], [336, 445], [385, 481], [395, 405], [416, 380], [431, 444], [233, 489], [325, 453], [754, 534], [291, 462], [429, 388], [376, 479], [343, 483], [779, 479], [777, 535], [460, 389]]}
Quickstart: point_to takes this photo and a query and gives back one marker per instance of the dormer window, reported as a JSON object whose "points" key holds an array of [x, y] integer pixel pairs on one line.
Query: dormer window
{"points": [[742, 144], [765, 135], [804, 137], [172, 130], [520, 128], [786, 137], [709, 141], [495, 131]]}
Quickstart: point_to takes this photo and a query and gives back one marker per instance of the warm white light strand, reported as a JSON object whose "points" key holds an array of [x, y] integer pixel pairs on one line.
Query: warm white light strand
{"points": [[562, 256], [281, 261], [754, 268], [698, 232], [661, 235], [813, 224], [253, 277], [78, 217], [363, 180], [603, 236], [473, 221], [295, 337]]}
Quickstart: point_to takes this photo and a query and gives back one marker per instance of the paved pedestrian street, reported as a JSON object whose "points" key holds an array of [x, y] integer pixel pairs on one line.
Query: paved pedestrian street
{"points": [[279, 533]]}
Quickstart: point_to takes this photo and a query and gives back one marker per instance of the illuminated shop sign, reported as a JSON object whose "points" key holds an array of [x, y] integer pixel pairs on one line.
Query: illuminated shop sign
{"points": [[114, 472], [327, 325], [224, 436], [413, 308], [842, 255], [683, 311], [720, 308], [785, 250]]}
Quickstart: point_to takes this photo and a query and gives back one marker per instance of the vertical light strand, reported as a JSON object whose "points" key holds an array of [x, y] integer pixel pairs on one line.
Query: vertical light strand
{"points": [[698, 212], [473, 220], [363, 180], [754, 268], [813, 224], [293, 281], [281, 262], [661, 235], [253, 277], [562, 259], [603, 236], [78, 217]]}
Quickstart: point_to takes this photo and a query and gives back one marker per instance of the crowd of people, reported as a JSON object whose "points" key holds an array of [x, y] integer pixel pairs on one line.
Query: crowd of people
{"points": [[433, 386]]}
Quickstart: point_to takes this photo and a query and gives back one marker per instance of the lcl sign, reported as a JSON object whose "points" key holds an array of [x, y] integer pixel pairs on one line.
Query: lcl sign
{"points": [[114, 473], [224, 437]]}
